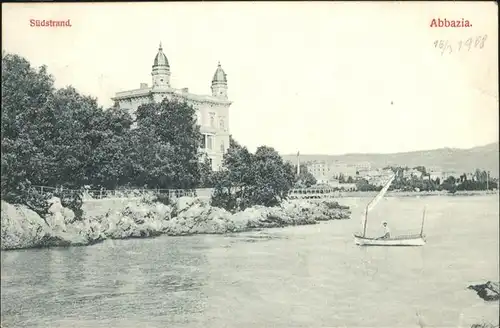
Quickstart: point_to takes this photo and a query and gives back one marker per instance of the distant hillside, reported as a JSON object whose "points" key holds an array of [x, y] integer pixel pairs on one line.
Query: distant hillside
{"points": [[448, 159]]}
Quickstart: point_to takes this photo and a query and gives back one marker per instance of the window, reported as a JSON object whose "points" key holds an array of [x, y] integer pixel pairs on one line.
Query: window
{"points": [[221, 123], [209, 142], [222, 146], [212, 120], [198, 118]]}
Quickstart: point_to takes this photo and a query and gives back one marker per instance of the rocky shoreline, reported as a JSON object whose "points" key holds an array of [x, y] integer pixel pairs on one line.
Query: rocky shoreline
{"points": [[489, 291], [141, 218]]}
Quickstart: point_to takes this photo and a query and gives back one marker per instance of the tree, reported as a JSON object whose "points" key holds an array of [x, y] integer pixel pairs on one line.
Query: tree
{"points": [[421, 169], [305, 178], [62, 138], [233, 183], [364, 185], [25, 90], [252, 179], [449, 184], [207, 175], [49, 137], [109, 164], [172, 158], [274, 177]]}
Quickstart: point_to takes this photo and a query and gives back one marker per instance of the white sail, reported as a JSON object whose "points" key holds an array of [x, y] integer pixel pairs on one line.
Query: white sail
{"points": [[377, 198], [380, 195]]}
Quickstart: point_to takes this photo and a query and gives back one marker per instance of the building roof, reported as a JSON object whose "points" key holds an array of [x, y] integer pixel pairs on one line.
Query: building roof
{"points": [[130, 94], [161, 59], [220, 75]]}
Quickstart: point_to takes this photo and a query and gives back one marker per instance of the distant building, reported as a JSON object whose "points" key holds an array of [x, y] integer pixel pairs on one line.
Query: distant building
{"points": [[368, 173], [437, 175], [212, 111], [387, 172], [363, 166], [412, 173], [433, 168], [378, 180], [451, 174], [322, 170], [318, 169], [375, 177]]}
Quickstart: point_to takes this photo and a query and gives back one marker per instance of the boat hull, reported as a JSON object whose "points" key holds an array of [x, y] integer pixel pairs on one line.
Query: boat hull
{"points": [[412, 240]]}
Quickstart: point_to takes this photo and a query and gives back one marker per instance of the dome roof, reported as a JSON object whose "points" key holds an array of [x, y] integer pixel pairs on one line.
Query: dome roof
{"points": [[161, 59], [220, 75]]}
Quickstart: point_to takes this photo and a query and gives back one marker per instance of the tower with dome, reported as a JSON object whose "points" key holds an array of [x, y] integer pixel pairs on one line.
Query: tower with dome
{"points": [[212, 111]]}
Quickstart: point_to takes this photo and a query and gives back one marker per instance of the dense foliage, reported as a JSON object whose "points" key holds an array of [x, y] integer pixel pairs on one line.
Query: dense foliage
{"points": [[250, 179], [343, 179], [364, 185], [61, 138], [305, 179]]}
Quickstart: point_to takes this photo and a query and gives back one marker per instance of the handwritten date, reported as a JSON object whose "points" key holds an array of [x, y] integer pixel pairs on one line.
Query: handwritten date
{"points": [[446, 46]]}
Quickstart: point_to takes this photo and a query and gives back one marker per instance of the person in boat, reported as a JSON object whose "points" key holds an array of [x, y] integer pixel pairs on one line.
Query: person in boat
{"points": [[387, 231]]}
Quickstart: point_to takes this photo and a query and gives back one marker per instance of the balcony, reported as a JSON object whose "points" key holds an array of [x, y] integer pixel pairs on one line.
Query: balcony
{"points": [[205, 129]]}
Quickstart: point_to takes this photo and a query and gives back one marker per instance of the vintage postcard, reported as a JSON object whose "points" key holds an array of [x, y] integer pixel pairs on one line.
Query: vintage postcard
{"points": [[250, 164]]}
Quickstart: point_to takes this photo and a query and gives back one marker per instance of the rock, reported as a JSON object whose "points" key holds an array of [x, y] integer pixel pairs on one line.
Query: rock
{"points": [[23, 228], [195, 216], [68, 215], [184, 203], [484, 325], [488, 291], [162, 211], [85, 232], [136, 219], [55, 218]]}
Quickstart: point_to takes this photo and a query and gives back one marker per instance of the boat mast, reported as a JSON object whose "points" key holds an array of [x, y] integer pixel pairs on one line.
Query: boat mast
{"points": [[366, 218], [422, 227]]}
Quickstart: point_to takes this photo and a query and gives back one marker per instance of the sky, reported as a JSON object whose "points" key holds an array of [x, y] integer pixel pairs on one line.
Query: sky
{"points": [[314, 77]]}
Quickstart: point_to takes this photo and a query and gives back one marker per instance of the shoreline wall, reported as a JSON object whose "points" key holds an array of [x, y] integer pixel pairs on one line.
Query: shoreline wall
{"points": [[206, 194]]}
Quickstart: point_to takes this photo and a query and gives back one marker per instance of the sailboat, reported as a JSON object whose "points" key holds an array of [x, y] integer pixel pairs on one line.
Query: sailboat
{"points": [[403, 240]]}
